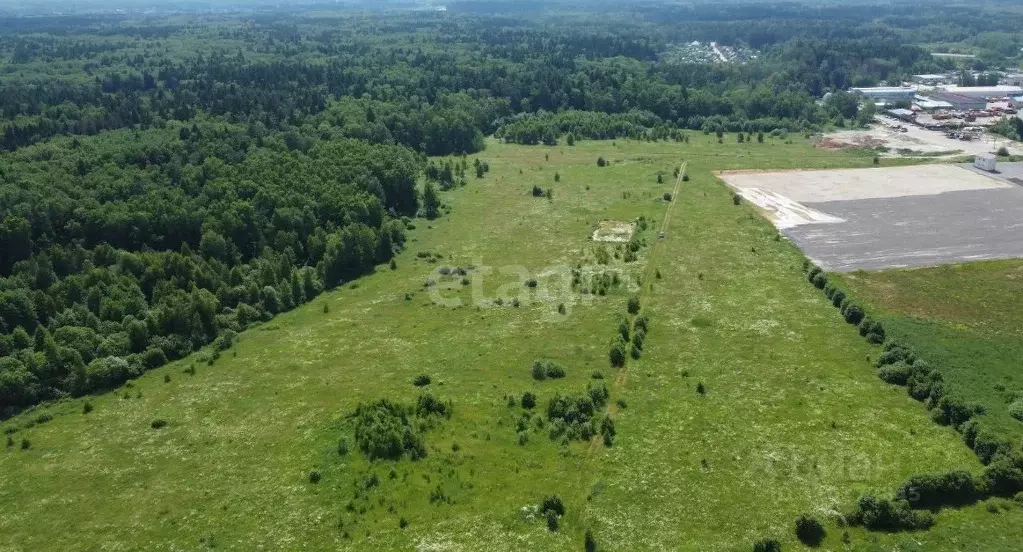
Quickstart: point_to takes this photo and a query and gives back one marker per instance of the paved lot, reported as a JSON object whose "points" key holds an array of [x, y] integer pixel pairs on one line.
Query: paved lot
{"points": [[874, 219], [1010, 173], [915, 231]]}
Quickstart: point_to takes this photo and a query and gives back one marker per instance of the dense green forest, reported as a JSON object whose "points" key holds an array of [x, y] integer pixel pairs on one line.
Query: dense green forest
{"points": [[169, 180]]}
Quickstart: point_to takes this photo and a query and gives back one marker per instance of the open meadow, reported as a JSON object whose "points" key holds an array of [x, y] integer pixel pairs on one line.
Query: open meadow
{"points": [[752, 401]]}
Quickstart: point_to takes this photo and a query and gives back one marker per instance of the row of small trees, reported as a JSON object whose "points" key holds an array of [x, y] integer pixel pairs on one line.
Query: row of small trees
{"points": [[899, 365]]}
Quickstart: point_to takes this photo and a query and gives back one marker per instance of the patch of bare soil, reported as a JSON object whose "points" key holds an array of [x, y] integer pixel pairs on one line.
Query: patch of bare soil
{"points": [[614, 231]]}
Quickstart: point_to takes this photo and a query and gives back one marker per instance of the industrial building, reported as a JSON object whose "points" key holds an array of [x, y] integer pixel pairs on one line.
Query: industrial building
{"points": [[887, 93], [930, 104], [903, 114], [960, 102], [985, 92]]}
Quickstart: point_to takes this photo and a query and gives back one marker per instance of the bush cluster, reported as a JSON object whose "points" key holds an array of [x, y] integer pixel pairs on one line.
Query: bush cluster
{"points": [[574, 416], [422, 380], [809, 530], [388, 430], [888, 515], [543, 369]]}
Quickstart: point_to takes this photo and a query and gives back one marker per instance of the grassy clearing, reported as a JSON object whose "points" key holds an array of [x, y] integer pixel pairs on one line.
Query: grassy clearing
{"points": [[793, 419]]}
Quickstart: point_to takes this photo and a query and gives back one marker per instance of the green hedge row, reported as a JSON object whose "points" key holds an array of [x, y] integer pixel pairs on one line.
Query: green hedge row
{"points": [[899, 365]]}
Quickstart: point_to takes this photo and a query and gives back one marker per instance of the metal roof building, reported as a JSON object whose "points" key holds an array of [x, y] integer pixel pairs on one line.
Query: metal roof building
{"points": [[959, 101], [985, 92]]}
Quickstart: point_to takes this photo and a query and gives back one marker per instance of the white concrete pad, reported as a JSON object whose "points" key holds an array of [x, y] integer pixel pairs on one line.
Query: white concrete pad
{"points": [[846, 184]]}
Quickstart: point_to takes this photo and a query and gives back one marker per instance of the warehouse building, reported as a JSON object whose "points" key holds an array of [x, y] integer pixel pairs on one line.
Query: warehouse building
{"points": [[960, 102], [887, 93], [985, 92], [907, 115]]}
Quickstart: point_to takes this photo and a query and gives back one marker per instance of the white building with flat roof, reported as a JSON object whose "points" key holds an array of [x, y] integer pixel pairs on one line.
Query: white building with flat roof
{"points": [[985, 92], [886, 92]]}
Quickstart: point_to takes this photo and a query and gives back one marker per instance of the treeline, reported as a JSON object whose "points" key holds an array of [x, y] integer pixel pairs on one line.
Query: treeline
{"points": [[439, 82], [121, 252]]}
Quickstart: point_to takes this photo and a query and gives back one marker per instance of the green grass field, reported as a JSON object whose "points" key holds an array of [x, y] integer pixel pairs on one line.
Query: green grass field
{"points": [[793, 420], [965, 319]]}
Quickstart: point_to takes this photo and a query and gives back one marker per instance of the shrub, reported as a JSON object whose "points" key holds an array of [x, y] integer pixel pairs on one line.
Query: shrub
{"points": [[589, 543], [829, 290], [531, 283], [617, 353], [539, 371], [701, 389], [736, 198], [953, 488], [25, 443], [428, 405], [561, 308], [1016, 409], [1004, 477], [528, 400], [225, 341], [633, 305], [685, 177], [1003, 152], [422, 380], [314, 477], [598, 394], [552, 503], [853, 314], [820, 281], [766, 545], [342, 447], [897, 373], [809, 531], [537, 191], [635, 352], [601, 162], [555, 371], [641, 323], [871, 330], [666, 196], [888, 515], [154, 357], [812, 273], [954, 411], [607, 430], [158, 423], [837, 298], [385, 430], [638, 338], [895, 352], [623, 329], [86, 407]]}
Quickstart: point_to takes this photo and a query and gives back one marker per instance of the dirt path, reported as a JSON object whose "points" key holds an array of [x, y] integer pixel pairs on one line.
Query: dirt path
{"points": [[597, 442]]}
